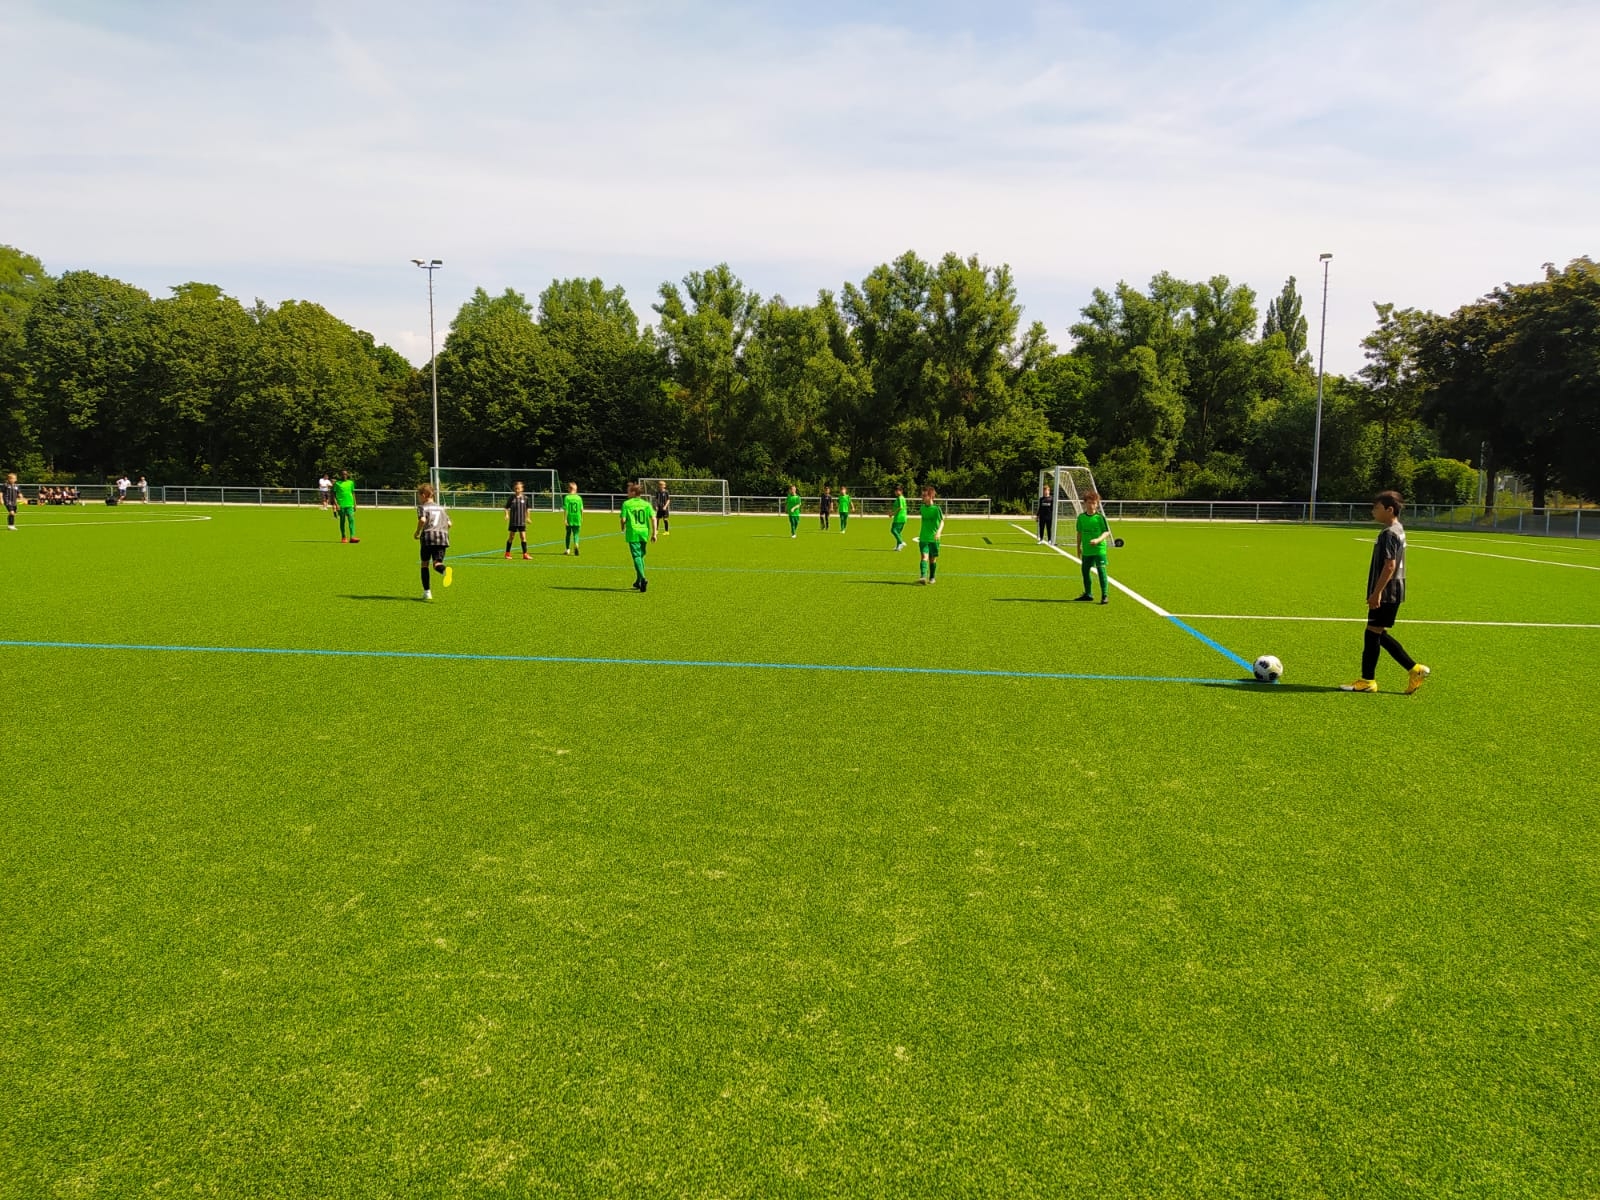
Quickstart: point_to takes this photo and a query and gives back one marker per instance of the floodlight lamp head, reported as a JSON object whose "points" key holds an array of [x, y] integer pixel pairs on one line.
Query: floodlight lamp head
{"points": [[1324, 257], [439, 262]]}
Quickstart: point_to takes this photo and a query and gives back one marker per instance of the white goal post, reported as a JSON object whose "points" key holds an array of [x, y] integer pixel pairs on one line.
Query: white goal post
{"points": [[1068, 486], [690, 495], [488, 487]]}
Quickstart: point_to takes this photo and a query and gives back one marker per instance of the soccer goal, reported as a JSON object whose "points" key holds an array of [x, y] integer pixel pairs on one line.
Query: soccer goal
{"points": [[1068, 485], [691, 495], [488, 487]]}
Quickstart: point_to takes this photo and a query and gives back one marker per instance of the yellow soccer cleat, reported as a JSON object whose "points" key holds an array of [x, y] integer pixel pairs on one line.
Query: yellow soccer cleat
{"points": [[1419, 676], [450, 574], [1360, 685]]}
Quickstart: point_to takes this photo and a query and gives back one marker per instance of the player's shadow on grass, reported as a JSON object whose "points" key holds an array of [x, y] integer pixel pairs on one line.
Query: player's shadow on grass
{"points": [[566, 587], [349, 597], [1253, 688], [888, 582], [1035, 600]]}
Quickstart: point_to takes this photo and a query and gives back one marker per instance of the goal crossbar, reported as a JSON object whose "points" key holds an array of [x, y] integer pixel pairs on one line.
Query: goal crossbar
{"points": [[690, 495]]}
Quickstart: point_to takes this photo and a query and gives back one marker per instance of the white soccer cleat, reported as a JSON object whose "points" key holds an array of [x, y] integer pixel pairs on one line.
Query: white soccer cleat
{"points": [[428, 595]]}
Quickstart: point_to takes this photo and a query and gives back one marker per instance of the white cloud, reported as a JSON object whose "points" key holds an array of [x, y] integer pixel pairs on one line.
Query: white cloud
{"points": [[1436, 151]]}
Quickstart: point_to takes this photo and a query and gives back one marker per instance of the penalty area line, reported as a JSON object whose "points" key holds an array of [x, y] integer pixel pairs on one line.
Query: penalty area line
{"points": [[1160, 612], [1409, 621], [585, 660]]}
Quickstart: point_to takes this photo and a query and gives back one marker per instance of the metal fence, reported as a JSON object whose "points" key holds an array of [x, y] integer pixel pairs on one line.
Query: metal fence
{"points": [[1542, 522], [592, 501]]}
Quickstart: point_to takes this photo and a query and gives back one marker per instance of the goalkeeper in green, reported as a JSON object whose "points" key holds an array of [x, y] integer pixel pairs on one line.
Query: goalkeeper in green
{"points": [[1093, 535], [791, 505]]}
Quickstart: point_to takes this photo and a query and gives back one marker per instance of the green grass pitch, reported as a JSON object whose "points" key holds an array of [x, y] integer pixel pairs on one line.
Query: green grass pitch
{"points": [[548, 888]]}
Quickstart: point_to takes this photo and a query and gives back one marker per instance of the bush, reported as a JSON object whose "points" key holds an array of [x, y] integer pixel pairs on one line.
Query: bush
{"points": [[1443, 481]]}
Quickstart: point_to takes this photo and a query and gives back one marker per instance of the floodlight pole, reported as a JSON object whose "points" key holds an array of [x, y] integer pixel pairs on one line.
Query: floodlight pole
{"points": [[1322, 348], [430, 266]]}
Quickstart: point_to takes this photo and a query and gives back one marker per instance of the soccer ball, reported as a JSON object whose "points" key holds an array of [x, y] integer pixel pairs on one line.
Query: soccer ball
{"points": [[1267, 669]]}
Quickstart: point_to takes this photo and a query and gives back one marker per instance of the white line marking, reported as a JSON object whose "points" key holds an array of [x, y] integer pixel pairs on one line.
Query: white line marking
{"points": [[1485, 554], [1546, 544], [1121, 587], [1358, 621], [129, 521]]}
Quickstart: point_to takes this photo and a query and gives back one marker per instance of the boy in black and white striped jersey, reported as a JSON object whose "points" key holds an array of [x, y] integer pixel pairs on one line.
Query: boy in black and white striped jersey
{"points": [[13, 497], [517, 519], [433, 531]]}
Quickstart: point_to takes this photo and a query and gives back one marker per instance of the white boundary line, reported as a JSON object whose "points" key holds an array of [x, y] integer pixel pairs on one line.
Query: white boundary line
{"points": [[1507, 557], [1358, 621], [129, 521], [1545, 544]]}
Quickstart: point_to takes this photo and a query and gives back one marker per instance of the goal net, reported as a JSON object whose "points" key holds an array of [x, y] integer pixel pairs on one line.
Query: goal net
{"points": [[1068, 486], [690, 495], [488, 487]]}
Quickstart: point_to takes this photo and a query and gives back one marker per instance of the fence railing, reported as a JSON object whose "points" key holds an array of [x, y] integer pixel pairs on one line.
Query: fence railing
{"points": [[957, 506], [1544, 522]]}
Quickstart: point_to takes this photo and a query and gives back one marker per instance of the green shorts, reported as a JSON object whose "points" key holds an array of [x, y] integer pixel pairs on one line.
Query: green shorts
{"points": [[931, 549]]}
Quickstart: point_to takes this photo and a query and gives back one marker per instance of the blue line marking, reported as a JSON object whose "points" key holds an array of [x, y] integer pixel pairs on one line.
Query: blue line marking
{"points": [[1217, 646], [584, 660]]}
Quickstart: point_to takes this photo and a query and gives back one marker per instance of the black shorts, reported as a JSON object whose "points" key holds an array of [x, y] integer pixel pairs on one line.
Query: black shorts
{"points": [[516, 529], [433, 553], [1384, 615]]}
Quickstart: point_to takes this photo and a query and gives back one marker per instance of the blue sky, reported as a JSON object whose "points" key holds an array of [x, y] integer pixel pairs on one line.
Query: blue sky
{"points": [[310, 150]]}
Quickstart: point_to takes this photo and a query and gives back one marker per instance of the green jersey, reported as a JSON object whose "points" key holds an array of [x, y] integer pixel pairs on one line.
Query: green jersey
{"points": [[636, 515], [844, 504], [573, 503], [899, 510], [932, 520], [791, 505], [1091, 526], [344, 493]]}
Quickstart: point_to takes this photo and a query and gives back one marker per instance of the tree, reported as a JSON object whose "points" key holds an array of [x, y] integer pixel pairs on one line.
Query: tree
{"points": [[502, 386], [313, 403], [1285, 316], [1391, 395], [973, 354], [614, 408], [1549, 371], [1220, 367], [22, 278], [202, 345], [703, 333], [85, 339]]}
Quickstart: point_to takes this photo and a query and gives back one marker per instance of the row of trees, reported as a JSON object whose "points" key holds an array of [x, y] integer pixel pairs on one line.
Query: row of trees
{"points": [[921, 371]]}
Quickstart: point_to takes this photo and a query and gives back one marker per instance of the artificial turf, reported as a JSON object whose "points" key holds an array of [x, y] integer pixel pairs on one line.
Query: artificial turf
{"points": [[582, 899]]}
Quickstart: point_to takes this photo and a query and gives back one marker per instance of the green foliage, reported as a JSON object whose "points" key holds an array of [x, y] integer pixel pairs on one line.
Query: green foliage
{"points": [[922, 370], [1286, 318], [1443, 481]]}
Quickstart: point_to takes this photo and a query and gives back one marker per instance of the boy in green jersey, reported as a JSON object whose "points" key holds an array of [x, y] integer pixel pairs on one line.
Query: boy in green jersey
{"points": [[928, 535], [344, 501], [791, 505], [1093, 534], [897, 519], [844, 509], [572, 504], [639, 529]]}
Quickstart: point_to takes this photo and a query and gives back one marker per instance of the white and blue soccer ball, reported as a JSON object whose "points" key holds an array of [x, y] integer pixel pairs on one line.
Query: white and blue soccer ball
{"points": [[1267, 668]]}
